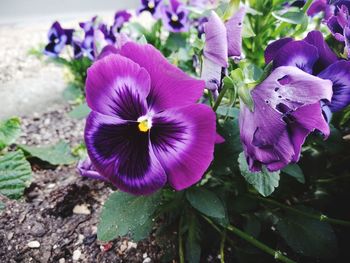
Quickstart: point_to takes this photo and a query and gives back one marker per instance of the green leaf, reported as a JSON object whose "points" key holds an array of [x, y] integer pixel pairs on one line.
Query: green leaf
{"points": [[9, 131], [176, 41], [80, 111], [193, 247], [291, 17], [72, 92], [295, 171], [308, 237], [247, 31], [251, 72], [53, 154], [141, 232], [15, 173], [123, 213], [206, 202], [264, 182]]}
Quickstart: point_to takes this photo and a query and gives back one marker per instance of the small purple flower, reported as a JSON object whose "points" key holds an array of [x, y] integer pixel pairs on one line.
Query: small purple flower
{"points": [[58, 39], [151, 6], [120, 18], [203, 3], [145, 127], [198, 23], [286, 109], [175, 17], [314, 56], [88, 25]]}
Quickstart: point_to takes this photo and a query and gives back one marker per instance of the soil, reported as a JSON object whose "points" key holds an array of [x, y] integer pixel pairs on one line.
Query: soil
{"points": [[56, 220]]}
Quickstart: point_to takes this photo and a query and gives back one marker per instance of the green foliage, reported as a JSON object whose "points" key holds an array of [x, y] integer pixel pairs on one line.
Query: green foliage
{"points": [[264, 182], [15, 174], [124, 213], [72, 93], [308, 237], [291, 17], [295, 171], [54, 154], [10, 130], [193, 246], [80, 112], [206, 202]]}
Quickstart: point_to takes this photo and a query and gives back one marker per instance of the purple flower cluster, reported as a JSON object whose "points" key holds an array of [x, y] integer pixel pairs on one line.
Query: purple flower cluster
{"points": [[308, 82], [336, 16], [144, 130], [97, 35]]}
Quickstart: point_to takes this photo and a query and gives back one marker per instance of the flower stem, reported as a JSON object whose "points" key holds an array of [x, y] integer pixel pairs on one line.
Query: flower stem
{"points": [[181, 247], [275, 253], [322, 218], [220, 97], [307, 5], [222, 247], [333, 179]]}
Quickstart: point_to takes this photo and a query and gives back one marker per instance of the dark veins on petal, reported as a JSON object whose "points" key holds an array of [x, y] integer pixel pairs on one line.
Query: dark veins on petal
{"points": [[126, 144], [127, 105]]}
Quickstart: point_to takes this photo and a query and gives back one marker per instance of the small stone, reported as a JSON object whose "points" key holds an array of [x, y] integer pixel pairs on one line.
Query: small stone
{"points": [[123, 247], [147, 260], [61, 260], [81, 210], [10, 236], [50, 186], [76, 255], [33, 244], [131, 245], [144, 255]]}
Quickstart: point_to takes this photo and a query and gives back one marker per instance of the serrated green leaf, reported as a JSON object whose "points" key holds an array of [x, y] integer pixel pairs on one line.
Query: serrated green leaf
{"points": [[124, 213], [15, 174], [53, 154], [206, 202], [9, 131], [264, 182], [295, 171], [80, 111], [308, 237]]}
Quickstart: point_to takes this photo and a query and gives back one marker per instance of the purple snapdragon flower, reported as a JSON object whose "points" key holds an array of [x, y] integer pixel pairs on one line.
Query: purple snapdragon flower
{"points": [[120, 18], [314, 56], [222, 40], [145, 129], [151, 6], [175, 17], [58, 39]]}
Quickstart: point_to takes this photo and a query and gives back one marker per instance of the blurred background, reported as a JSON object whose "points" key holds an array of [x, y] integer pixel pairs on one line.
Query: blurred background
{"points": [[27, 85]]}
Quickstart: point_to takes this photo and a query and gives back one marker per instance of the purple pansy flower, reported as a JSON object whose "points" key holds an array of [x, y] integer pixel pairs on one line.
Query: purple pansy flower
{"points": [[221, 41], [88, 25], [286, 109], [198, 23], [145, 127], [58, 39], [120, 18], [151, 6], [175, 17], [314, 56]]}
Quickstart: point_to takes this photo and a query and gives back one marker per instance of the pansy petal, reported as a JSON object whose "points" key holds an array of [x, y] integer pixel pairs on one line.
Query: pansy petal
{"points": [[216, 48], [339, 74], [326, 55], [183, 140], [211, 74], [297, 53], [273, 48], [347, 40], [234, 33], [335, 28], [316, 7], [170, 87], [121, 153], [117, 86], [292, 87]]}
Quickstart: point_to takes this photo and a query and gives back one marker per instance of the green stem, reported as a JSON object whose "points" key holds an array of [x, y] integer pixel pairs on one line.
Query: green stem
{"points": [[322, 218], [222, 248], [333, 179], [307, 5], [275, 253], [181, 247], [220, 97]]}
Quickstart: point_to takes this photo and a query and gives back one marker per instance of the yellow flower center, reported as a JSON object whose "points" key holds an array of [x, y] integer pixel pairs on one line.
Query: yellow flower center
{"points": [[145, 124], [174, 18], [151, 4]]}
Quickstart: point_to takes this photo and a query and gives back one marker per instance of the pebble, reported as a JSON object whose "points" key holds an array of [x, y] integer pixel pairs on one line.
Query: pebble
{"points": [[76, 255], [147, 260], [132, 245], [33, 244], [81, 210], [144, 255], [61, 260]]}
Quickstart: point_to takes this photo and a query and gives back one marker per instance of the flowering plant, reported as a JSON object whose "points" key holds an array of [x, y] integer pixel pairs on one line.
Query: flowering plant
{"points": [[218, 105]]}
